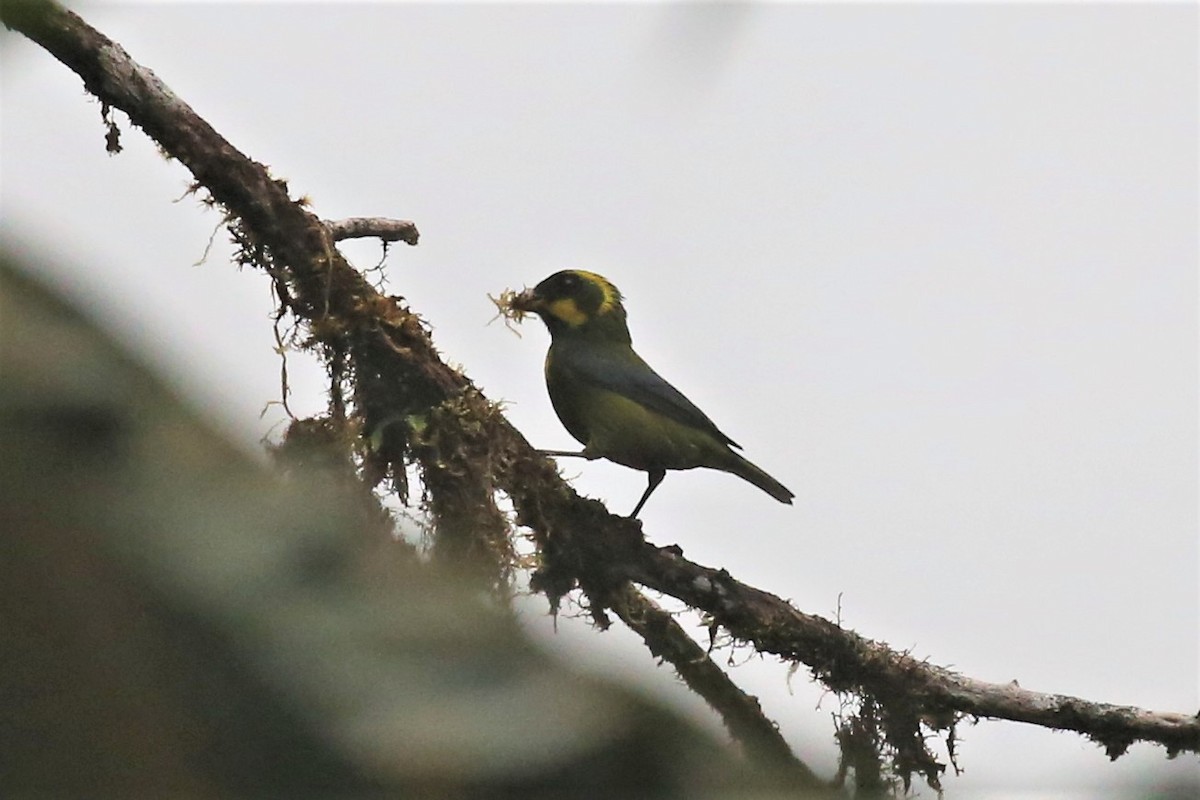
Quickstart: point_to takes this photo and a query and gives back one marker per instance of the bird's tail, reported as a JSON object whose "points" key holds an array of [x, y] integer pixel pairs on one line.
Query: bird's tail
{"points": [[744, 469]]}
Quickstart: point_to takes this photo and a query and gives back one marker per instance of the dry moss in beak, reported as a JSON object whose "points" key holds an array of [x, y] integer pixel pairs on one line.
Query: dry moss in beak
{"points": [[511, 307]]}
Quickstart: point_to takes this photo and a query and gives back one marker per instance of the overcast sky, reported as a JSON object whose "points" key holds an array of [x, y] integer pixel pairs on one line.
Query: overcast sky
{"points": [[934, 267]]}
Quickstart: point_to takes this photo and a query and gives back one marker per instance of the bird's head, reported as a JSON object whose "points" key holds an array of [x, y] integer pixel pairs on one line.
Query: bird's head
{"points": [[576, 302]]}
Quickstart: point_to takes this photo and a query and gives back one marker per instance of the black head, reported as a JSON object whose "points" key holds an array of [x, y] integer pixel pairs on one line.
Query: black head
{"points": [[575, 300]]}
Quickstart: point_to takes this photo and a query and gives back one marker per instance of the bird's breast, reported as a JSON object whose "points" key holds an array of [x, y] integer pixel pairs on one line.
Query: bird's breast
{"points": [[614, 426]]}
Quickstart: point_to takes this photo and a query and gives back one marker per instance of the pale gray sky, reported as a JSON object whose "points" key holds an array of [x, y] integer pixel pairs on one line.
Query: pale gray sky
{"points": [[934, 266]]}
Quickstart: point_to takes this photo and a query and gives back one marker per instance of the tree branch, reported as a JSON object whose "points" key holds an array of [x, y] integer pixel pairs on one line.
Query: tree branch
{"points": [[913, 696], [399, 375]]}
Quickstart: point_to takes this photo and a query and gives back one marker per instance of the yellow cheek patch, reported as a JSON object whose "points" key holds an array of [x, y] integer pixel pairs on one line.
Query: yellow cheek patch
{"points": [[568, 311]]}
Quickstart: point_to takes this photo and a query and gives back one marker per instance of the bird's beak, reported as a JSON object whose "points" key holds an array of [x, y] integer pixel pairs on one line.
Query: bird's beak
{"points": [[529, 301]]}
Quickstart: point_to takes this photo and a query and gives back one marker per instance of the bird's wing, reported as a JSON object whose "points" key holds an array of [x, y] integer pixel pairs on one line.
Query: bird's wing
{"points": [[628, 375]]}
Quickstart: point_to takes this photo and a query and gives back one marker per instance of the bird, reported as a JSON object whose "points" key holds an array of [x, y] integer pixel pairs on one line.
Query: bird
{"points": [[611, 401]]}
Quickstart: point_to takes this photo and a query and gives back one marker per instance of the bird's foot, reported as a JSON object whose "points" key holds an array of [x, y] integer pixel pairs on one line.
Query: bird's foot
{"points": [[570, 454]]}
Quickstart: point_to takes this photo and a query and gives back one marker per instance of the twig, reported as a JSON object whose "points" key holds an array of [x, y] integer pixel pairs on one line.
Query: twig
{"points": [[741, 712], [389, 230]]}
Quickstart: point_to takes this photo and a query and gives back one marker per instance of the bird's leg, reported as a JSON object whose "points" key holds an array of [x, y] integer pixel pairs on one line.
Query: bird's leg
{"points": [[571, 453], [656, 477]]}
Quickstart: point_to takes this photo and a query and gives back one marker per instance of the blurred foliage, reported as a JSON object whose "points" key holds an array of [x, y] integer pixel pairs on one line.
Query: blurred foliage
{"points": [[178, 617]]}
